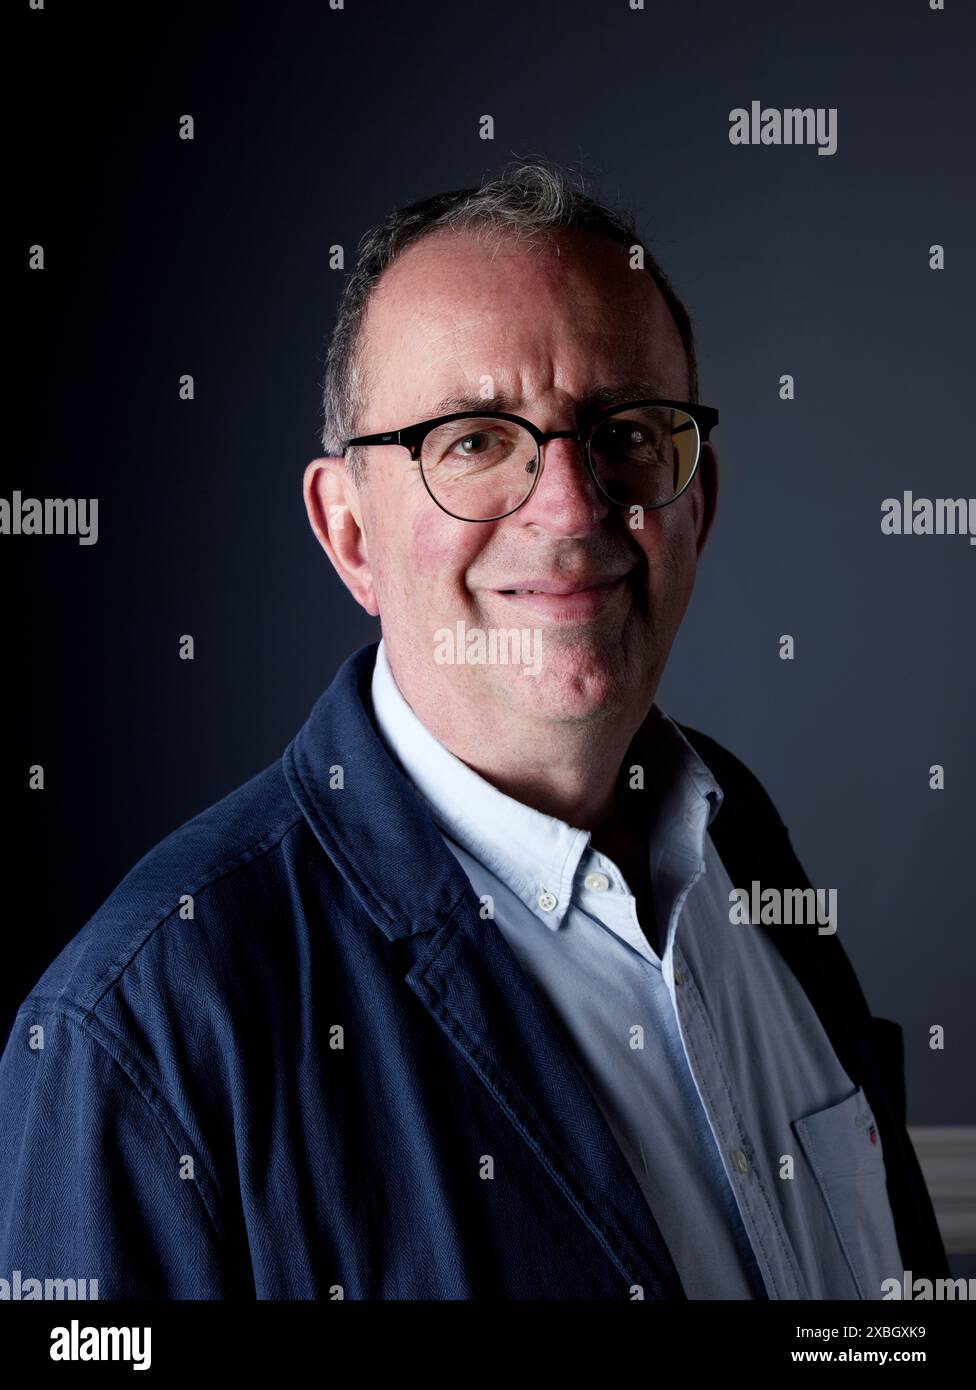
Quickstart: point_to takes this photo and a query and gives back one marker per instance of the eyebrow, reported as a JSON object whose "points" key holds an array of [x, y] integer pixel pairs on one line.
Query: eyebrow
{"points": [[600, 397]]}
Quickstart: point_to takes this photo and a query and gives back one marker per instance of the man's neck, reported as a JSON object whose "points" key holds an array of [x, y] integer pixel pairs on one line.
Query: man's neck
{"points": [[567, 772], [565, 768]]}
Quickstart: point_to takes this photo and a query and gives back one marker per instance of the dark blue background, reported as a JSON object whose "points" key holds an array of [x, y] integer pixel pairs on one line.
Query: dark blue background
{"points": [[166, 257]]}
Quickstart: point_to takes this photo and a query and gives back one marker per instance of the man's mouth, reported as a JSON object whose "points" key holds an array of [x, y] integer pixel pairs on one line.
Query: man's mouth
{"points": [[563, 587], [573, 601]]}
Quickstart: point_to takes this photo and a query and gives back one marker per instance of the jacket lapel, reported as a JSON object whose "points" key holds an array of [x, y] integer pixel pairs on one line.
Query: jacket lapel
{"points": [[469, 980]]}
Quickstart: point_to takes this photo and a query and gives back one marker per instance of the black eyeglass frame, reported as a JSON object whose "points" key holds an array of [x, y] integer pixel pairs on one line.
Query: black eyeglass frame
{"points": [[411, 437]]}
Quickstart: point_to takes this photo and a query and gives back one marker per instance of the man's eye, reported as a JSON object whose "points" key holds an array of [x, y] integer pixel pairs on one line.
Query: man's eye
{"points": [[486, 444], [478, 442], [628, 437]]}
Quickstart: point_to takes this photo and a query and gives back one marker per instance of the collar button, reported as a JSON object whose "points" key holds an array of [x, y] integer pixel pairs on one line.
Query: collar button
{"points": [[597, 883]]}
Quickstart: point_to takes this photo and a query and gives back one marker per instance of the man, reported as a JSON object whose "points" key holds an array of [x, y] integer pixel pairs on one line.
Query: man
{"points": [[449, 1003]]}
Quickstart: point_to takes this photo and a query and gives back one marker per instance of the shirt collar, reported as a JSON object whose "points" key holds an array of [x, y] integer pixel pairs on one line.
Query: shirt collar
{"points": [[534, 854]]}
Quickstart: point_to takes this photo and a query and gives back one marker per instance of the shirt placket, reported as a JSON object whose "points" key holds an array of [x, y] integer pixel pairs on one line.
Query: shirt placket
{"points": [[767, 1234]]}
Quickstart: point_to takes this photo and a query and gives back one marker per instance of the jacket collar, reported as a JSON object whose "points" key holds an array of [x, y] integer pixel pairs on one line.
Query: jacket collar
{"points": [[365, 812]]}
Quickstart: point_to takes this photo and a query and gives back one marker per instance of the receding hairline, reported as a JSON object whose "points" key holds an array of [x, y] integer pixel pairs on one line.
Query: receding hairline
{"points": [[537, 239], [534, 203]]}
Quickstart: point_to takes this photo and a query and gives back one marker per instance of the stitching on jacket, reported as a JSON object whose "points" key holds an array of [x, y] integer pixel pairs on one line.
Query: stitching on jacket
{"points": [[153, 1100], [152, 924]]}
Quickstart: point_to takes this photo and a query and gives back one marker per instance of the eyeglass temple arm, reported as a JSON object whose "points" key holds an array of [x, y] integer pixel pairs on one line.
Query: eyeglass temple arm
{"points": [[393, 437]]}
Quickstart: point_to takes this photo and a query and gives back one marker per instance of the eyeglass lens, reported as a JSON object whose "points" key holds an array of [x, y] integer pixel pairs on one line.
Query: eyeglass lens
{"points": [[480, 468]]}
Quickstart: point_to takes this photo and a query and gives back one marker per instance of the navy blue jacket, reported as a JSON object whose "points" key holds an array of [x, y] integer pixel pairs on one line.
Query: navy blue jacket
{"points": [[275, 1060]]}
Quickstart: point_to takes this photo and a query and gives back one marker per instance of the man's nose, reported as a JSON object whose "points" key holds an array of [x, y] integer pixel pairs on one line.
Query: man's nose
{"points": [[566, 500]]}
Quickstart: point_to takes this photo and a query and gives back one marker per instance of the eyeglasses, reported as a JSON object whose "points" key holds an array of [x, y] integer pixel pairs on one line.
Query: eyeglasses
{"points": [[484, 465]]}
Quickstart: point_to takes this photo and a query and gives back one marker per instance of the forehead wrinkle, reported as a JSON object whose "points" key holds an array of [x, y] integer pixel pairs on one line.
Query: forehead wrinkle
{"points": [[461, 350]]}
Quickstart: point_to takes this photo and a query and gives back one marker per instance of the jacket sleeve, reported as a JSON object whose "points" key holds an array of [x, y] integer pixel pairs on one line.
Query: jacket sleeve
{"points": [[97, 1179]]}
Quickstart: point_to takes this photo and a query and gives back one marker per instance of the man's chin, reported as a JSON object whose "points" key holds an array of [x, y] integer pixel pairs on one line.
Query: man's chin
{"points": [[563, 685]]}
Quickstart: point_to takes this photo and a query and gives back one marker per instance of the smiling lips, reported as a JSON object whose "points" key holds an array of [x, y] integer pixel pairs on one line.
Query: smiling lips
{"points": [[573, 601]]}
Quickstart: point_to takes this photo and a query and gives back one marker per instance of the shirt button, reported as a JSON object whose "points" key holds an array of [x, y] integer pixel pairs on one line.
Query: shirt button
{"points": [[547, 900], [740, 1160], [599, 883], [679, 979]]}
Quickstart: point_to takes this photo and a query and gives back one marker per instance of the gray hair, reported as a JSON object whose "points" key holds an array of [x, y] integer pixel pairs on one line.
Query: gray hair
{"points": [[526, 200]]}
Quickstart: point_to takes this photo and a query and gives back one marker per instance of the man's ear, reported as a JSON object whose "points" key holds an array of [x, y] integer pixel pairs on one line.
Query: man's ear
{"points": [[334, 509], [706, 499]]}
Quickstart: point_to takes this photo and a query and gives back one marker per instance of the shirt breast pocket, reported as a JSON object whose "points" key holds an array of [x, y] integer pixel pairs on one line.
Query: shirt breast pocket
{"points": [[842, 1144]]}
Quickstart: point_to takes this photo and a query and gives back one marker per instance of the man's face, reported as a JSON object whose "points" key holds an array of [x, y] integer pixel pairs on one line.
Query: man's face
{"points": [[547, 326]]}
